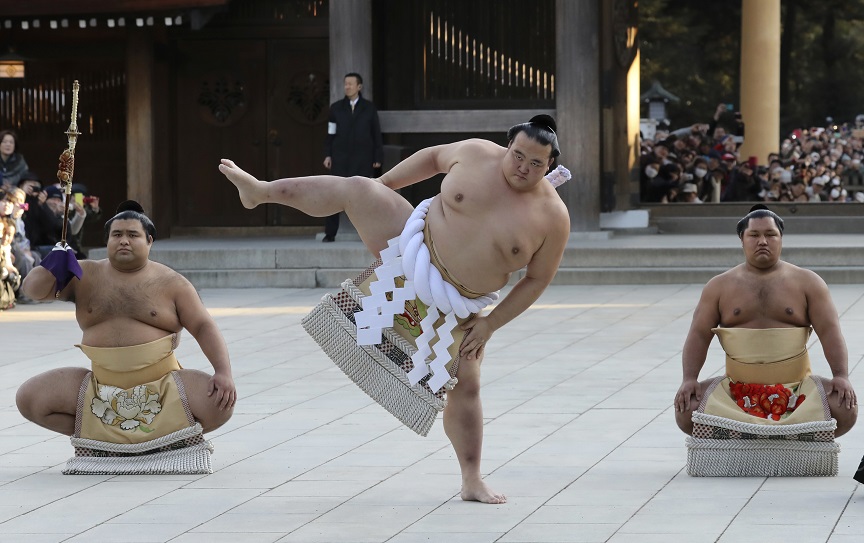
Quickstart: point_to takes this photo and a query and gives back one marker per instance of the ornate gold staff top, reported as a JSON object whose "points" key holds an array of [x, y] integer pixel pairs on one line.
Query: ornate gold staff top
{"points": [[67, 158]]}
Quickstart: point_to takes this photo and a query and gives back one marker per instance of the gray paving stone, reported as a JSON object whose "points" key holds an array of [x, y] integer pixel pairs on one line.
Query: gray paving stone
{"points": [[579, 434]]}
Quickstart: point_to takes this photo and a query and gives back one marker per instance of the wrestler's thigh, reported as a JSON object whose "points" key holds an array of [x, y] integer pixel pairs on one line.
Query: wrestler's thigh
{"points": [[204, 408], [55, 391], [378, 213]]}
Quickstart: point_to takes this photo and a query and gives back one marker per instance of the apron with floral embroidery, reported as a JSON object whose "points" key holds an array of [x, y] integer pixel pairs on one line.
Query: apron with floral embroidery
{"points": [[132, 394]]}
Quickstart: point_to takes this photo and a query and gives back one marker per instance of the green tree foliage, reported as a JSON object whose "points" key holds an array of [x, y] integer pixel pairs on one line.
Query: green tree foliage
{"points": [[693, 49]]}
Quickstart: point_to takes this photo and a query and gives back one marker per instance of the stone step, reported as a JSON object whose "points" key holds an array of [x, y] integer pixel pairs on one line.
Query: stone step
{"points": [[590, 258], [736, 210], [355, 256], [689, 257], [332, 278], [677, 275], [793, 225], [807, 218], [250, 256], [269, 278]]}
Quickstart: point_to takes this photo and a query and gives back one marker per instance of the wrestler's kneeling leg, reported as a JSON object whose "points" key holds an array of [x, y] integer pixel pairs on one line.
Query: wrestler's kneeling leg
{"points": [[685, 419], [205, 409], [845, 417], [50, 399]]}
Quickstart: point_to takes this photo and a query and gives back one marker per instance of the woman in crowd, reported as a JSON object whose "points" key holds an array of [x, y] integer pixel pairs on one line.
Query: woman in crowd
{"points": [[12, 164]]}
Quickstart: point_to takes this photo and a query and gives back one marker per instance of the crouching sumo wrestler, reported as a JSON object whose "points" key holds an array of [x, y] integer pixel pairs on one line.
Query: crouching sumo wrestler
{"points": [[136, 410]]}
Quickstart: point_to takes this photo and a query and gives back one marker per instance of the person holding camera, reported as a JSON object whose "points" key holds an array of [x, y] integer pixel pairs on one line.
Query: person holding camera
{"points": [[49, 222], [14, 206], [701, 179], [797, 191], [32, 187], [743, 185], [10, 279], [92, 212], [667, 178]]}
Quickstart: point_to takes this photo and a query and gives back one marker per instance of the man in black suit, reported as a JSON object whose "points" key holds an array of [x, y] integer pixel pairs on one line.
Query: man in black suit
{"points": [[354, 145]]}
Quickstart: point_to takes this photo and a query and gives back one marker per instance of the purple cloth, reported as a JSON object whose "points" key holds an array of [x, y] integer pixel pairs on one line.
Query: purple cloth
{"points": [[63, 265]]}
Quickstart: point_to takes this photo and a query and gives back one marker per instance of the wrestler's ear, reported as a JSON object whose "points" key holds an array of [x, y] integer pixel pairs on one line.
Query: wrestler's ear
{"points": [[149, 239]]}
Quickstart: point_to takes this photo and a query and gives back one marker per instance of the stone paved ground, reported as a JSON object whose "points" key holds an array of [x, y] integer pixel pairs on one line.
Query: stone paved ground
{"points": [[579, 435]]}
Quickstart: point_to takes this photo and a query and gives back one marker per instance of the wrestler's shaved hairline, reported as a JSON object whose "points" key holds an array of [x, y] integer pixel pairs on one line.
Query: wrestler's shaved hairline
{"points": [[130, 228], [744, 223], [129, 214], [541, 128]]}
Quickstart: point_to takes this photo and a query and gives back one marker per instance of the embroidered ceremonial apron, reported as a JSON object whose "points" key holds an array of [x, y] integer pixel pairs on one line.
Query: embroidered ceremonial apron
{"points": [[132, 394], [394, 330], [407, 324], [766, 356], [413, 293]]}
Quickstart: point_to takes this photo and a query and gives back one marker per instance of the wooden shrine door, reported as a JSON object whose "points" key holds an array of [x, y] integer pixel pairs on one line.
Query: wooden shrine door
{"points": [[261, 103]]}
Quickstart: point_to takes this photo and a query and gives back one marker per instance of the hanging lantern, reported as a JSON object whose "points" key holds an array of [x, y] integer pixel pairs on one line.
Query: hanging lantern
{"points": [[11, 66]]}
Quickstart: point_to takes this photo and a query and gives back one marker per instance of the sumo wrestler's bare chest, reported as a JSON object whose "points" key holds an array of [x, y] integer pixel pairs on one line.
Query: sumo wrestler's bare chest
{"points": [[771, 303], [143, 300]]}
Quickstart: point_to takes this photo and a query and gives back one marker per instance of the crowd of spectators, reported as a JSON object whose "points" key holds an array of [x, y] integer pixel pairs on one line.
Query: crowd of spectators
{"points": [[31, 219], [701, 163]]}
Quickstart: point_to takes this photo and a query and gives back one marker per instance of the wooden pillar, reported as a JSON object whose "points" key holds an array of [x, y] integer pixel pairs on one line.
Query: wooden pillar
{"points": [[760, 77], [634, 145], [577, 104], [350, 51], [619, 88], [350, 45], [139, 119]]}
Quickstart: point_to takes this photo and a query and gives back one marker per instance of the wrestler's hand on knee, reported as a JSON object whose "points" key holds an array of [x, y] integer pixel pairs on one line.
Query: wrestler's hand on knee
{"points": [[479, 333], [845, 392], [221, 389], [688, 389]]}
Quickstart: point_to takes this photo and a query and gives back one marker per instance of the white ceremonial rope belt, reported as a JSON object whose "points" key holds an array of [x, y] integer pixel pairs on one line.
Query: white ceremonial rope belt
{"points": [[407, 255]]}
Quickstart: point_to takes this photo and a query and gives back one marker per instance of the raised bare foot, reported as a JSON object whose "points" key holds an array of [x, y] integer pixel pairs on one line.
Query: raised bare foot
{"points": [[477, 491], [247, 186]]}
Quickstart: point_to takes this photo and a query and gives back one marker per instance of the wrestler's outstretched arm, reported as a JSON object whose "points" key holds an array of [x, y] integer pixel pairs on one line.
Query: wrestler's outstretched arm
{"points": [[538, 274], [705, 317], [430, 161], [40, 284]]}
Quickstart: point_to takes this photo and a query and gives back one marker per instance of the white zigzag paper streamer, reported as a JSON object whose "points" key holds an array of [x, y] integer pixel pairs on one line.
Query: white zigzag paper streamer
{"points": [[440, 375], [427, 326], [407, 255]]}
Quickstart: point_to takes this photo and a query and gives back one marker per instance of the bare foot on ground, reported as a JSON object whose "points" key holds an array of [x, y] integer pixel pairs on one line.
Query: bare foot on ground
{"points": [[247, 186], [477, 491]]}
